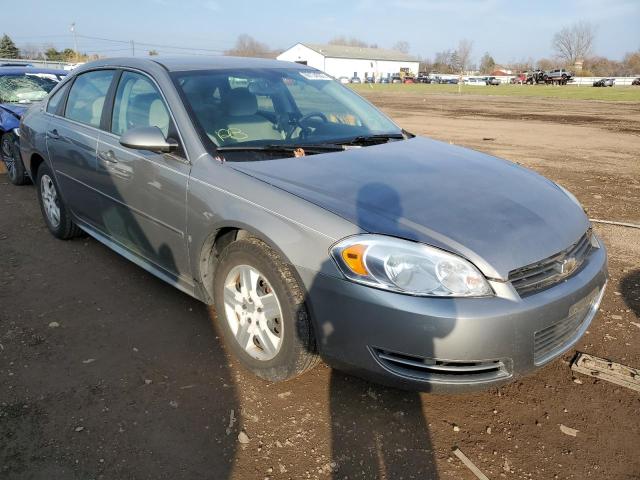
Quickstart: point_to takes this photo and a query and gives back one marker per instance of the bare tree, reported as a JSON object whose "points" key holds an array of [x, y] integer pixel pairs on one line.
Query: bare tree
{"points": [[30, 51], [546, 64], [401, 46], [631, 63], [247, 46], [575, 42], [463, 54], [442, 61]]}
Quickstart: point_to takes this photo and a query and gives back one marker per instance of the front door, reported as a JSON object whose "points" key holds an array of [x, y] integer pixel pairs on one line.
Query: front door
{"points": [[144, 193]]}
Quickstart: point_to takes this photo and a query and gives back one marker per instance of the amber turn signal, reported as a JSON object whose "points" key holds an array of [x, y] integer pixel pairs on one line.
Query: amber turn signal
{"points": [[353, 256]]}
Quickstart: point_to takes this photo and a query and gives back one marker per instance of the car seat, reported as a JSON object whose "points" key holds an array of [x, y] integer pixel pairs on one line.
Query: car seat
{"points": [[241, 121]]}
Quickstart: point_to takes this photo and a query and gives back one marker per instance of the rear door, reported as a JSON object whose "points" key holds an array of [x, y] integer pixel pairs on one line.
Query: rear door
{"points": [[143, 192], [72, 140]]}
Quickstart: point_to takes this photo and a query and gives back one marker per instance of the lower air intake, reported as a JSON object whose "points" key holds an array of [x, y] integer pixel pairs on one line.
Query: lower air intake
{"points": [[440, 370]]}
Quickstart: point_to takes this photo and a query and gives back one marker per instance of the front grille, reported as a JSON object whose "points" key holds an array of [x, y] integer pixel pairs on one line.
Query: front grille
{"points": [[551, 271], [439, 370], [554, 339]]}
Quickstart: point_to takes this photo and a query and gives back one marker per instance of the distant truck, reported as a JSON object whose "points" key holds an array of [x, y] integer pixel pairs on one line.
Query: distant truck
{"points": [[559, 76]]}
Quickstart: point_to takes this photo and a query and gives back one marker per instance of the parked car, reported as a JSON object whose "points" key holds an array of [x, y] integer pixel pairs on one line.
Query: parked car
{"points": [[396, 79], [355, 80], [384, 80], [604, 82], [492, 81], [479, 82], [19, 88], [344, 80], [426, 266], [636, 81]]}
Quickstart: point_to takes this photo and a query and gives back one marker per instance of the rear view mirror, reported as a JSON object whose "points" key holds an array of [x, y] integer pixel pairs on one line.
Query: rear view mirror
{"points": [[147, 138]]}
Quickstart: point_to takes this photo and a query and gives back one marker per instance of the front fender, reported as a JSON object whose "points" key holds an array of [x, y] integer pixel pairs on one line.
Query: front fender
{"points": [[220, 197]]}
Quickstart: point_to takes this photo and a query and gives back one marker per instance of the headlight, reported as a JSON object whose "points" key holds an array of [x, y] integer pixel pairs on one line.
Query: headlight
{"points": [[408, 267], [17, 132]]}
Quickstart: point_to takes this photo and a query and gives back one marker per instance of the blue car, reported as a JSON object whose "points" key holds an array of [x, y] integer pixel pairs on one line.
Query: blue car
{"points": [[20, 87]]}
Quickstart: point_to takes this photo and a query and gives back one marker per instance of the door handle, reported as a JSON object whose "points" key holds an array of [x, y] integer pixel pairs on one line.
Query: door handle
{"points": [[53, 134], [108, 156]]}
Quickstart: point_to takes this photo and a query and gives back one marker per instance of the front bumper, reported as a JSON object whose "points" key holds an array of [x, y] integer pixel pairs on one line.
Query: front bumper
{"points": [[451, 345]]}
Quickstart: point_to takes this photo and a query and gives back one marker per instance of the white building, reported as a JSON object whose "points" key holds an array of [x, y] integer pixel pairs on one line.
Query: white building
{"points": [[344, 61]]}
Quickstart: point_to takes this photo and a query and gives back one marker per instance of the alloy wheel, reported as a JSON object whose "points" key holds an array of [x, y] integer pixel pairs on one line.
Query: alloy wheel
{"points": [[253, 312], [7, 157], [50, 200]]}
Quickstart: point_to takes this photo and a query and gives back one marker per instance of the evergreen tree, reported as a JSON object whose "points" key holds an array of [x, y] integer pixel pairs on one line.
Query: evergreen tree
{"points": [[8, 49], [487, 63]]}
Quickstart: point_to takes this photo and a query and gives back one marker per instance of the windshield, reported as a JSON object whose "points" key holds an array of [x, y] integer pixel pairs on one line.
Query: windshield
{"points": [[26, 87], [285, 107]]}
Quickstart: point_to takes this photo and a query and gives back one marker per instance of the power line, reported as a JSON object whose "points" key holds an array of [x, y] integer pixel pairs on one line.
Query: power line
{"points": [[102, 46], [157, 45]]}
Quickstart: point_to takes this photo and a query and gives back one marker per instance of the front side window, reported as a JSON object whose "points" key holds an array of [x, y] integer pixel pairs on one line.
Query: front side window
{"points": [[138, 103], [26, 88], [56, 98], [254, 107], [87, 95]]}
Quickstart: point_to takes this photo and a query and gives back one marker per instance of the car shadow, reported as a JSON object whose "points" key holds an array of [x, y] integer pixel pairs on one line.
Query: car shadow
{"points": [[630, 289], [179, 407], [376, 432]]}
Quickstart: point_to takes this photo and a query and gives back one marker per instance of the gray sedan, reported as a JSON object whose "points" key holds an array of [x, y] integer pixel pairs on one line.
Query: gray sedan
{"points": [[315, 225]]}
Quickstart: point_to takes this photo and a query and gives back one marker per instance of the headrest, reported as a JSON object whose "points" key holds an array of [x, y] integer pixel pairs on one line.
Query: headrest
{"points": [[241, 102], [158, 116]]}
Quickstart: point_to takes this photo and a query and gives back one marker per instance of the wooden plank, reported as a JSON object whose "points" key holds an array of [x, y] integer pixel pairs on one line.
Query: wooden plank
{"points": [[606, 370], [470, 465]]}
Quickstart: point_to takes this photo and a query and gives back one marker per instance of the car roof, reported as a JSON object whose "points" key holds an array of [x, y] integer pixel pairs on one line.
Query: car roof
{"points": [[185, 63], [21, 70]]}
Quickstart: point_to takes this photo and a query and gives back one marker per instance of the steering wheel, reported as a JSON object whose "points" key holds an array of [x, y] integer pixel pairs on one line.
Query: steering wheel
{"points": [[301, 121]]}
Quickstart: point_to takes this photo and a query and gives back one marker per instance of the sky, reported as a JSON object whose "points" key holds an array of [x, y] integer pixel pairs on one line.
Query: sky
{"points": [[509, 30]]}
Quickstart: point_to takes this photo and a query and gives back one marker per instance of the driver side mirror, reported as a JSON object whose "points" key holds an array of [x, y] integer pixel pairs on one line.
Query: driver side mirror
{"points": [[148, 138]]}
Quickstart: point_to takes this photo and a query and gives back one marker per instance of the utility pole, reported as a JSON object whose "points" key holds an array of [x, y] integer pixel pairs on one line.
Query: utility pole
{"points": [[133, 48], [75, 41]]}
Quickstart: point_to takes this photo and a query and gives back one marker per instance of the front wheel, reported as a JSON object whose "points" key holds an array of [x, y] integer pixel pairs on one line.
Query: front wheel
{"points": [[261, 309], [11, 158], [55, 212]]}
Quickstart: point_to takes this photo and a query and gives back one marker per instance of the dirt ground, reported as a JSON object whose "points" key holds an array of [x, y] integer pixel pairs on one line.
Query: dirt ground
{"points": [[108, 373]]}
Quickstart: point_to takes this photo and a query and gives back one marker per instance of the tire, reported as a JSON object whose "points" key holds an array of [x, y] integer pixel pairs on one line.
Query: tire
{"points": [[296, 350], [11, 157], [49, 199]]}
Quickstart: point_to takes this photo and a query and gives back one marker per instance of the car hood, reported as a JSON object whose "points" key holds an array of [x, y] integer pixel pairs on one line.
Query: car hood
{"points": [[14, 108], [495, 213]]}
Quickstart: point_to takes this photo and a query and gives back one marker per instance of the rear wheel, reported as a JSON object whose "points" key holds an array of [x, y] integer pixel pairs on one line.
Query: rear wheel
{"points": [[261, 311], [55, 212], [11, 158]]}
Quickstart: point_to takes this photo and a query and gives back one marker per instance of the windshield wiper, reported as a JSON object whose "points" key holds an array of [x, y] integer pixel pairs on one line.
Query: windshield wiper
{"points": [[282, 148], [367, 139]]}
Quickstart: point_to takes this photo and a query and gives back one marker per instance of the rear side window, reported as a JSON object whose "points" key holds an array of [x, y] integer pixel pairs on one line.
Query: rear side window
{"points": [[138, 104], [87, 95], [56, 98]]}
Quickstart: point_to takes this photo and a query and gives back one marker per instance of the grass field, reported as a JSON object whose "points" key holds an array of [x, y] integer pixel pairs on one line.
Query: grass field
{"points": [[622, 94]]}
